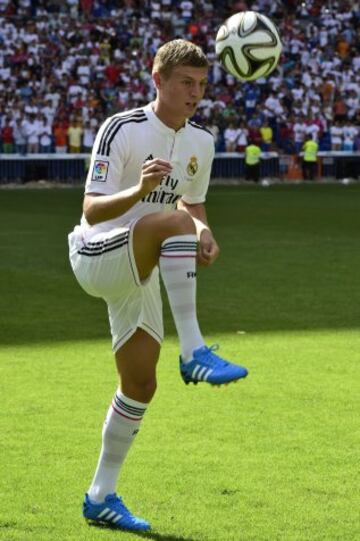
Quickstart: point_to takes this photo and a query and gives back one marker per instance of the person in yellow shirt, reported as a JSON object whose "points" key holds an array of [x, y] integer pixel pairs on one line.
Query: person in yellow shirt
{"points": [[266, 136], [310, 149], [74, 134], [252, 162]]}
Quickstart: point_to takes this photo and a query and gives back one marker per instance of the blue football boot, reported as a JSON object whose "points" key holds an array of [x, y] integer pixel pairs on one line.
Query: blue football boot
{"points": [[206, 366], [113, 513]]}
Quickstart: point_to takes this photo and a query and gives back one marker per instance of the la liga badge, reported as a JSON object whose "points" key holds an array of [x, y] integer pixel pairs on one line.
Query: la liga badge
{"points": [[100, 171]]}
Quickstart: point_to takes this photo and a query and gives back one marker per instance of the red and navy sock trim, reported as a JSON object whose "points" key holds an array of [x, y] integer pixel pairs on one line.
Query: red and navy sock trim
{"points": [[126, 410]]}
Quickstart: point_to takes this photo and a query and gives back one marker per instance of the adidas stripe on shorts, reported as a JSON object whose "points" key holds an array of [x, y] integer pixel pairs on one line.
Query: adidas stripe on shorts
{"points": [[104, 266]]}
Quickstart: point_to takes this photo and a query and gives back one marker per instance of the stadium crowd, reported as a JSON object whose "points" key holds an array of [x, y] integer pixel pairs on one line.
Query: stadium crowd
{"points": [[65, 65]]}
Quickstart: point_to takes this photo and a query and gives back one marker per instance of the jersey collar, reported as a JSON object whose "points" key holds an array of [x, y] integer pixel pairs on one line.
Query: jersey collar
{"points": [[155, 120]]}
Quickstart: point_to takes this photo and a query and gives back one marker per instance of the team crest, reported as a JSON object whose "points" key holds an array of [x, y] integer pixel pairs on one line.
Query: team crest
{"points": [[192, 166]]}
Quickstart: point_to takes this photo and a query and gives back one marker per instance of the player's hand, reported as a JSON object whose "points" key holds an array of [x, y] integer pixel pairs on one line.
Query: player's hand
{"points": [[208, 250], [151, 174]]}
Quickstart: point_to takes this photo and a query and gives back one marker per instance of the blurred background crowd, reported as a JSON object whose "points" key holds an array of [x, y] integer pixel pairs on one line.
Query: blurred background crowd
{"points": [[65, 65]]}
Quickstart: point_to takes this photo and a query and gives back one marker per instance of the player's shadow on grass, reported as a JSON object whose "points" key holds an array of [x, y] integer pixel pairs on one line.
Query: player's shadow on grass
{"points": [[163, 537], [146, 535]]}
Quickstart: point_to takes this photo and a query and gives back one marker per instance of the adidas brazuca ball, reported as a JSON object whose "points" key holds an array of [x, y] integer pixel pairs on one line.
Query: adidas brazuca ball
{"points": [[248, 45]]}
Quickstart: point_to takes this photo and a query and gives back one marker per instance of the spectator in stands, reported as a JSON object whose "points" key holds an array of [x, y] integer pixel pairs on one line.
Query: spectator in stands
{"points": [[314, 127], [60, 137], [7, 137], [266, 136], [242, 137], [350, 132], [74, 134], [336, 132], [251, 96], [253, 134], [286, 136], [45, 136], [32, 131], [20, 137], [339, 108], [88, 137], [215, 130], [299, 130], [231, 137]]}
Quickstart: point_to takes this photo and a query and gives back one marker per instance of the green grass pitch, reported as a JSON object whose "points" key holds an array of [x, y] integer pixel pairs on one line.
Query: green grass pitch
{"points": [[274, 457]]}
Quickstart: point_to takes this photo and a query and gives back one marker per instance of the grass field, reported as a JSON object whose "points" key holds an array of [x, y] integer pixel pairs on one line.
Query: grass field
{"points": [[275, 457]]}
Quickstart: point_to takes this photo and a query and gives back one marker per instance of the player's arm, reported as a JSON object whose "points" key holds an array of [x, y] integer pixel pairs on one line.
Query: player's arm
{"points": [[208, 247], [100, 207]]}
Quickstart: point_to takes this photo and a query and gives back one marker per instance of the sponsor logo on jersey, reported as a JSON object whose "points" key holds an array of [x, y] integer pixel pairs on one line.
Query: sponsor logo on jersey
{"points": [[162, 195], [150, 157], [192, 166], [100, 171]]}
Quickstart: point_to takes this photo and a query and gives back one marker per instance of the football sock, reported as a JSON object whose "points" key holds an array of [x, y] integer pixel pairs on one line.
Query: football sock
{"points": [[120, 428], [178, 270]]}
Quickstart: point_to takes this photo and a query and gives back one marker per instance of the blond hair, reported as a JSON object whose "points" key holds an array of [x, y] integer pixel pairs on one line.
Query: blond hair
{"points": [[178, 52]]}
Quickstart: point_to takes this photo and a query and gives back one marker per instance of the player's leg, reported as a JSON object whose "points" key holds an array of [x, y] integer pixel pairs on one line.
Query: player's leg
{"points": [[170, 240], [152, 230], [136, 364]]}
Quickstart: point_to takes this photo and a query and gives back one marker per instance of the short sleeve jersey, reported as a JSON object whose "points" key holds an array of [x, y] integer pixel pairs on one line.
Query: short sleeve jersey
{"points": [[126, 140]]}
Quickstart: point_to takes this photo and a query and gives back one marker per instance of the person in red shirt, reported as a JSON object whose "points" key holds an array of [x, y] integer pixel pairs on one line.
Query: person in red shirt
{"points": [[112, 72], [7, 138], [60, 136], [86, 6], [254, 135]]}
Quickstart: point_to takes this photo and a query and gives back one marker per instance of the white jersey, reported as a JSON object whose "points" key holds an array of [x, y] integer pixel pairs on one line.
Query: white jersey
{"points": [[126, 140]]}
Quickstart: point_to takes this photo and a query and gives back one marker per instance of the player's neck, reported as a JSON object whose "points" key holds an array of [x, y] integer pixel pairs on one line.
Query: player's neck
{"points": [[167, 117]]}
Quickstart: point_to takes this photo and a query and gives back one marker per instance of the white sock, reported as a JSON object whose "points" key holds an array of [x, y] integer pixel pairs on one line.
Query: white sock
{"points": [[178, 270], [120, 428]]}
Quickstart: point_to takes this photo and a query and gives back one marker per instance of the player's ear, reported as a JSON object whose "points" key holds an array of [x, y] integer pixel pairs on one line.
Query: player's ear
{"points": [[157, 79]]}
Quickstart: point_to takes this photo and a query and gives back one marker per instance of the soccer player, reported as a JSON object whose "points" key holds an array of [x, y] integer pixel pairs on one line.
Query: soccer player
{"points": [[143, 213]]}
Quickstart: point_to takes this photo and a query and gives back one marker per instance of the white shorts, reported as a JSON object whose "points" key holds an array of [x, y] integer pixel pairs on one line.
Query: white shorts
{"points": [[105, 267]]}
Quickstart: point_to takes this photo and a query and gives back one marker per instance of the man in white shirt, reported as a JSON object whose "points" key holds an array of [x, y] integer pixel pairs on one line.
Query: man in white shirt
{"points": [[337, 133], [88, 137], [144, 213], [350, 132], [299, 130], [231, 135], [31, 126], [45, 135]]}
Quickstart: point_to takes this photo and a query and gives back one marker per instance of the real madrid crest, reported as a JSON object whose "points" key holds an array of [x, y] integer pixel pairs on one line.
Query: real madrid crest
{"points": [[192, 166]]}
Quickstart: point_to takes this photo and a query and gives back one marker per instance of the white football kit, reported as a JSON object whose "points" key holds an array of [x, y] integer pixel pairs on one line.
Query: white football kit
{"points": [[102, 255]]}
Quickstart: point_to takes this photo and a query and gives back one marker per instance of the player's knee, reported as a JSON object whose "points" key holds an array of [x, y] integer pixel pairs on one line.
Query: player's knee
{"points": [[181, 222], [142, 390], [148, 387]]}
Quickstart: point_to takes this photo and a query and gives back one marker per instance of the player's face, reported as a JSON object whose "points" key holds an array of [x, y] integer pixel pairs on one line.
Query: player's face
{"points": [[182, 90]]}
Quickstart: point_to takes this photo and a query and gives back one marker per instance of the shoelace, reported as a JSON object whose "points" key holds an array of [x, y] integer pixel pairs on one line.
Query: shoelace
{"points": [[209, 360], [122, 509]]}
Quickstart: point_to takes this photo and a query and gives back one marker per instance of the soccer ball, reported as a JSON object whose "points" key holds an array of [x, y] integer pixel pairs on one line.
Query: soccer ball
{"points": [[248, 45]]}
